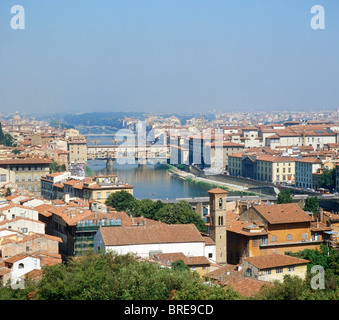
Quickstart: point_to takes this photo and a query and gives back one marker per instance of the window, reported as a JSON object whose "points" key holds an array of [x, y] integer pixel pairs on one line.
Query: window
{"points": [[220, 203], [289, 237], [263, 241], [21, 266], [291, 269], [2, 177], [210, 255], [248, 272], [267, 271], [279, 270], [273, 238]]}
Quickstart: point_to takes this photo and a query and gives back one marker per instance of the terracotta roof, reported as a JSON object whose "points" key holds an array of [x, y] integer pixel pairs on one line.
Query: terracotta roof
{"points": [[274, 260], [331, 216], [217, 191], [208, 241], [319, 226], [309, 160], [282, 213], [226, 144], [168, 258], [34, 274], [25, 161], [229, 275], [245, 286], [155, 233], [17, 257], [44, 209], [108, 186]]}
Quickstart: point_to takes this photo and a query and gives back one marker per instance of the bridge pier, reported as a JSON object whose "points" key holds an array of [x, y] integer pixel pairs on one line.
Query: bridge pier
{"points": [[109, 163]]}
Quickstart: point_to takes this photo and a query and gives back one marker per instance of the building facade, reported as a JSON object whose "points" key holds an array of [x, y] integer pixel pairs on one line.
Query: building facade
{"points": [[28, 172], [217, 229]]}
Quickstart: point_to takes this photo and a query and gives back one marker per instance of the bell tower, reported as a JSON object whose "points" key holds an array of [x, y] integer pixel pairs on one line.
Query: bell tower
{"points": [[218, 198]]}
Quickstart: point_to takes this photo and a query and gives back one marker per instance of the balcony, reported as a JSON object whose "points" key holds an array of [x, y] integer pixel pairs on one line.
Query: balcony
{"points": [[290, 243]]}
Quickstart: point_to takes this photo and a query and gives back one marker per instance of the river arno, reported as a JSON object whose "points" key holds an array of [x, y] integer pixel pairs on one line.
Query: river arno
{"points": [[153, 182]]}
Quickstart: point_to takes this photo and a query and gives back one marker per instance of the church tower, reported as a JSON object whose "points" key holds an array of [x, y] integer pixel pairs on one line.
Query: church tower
{"points": [[218, 198]]}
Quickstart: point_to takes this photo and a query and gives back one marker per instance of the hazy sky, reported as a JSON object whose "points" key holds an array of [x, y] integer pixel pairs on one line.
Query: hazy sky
{"points": [[168, 55]]}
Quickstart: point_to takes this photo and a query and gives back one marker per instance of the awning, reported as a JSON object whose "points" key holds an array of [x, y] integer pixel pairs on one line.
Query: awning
{"points": [[330, 232]]}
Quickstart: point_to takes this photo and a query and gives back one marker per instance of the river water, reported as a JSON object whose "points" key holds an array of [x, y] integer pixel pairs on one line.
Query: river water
{"points": [[153, 182]]}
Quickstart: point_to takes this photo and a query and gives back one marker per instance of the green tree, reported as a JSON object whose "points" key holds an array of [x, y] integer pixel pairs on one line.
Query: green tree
{"points": [[110, 276], [2, 135], [284, 196], [147, 208], [327, 179], [56, 167], [179, 265], [180, 212], [292, 288], [16, 151], [6, 139], [8, 192], [121, 201], [312, 204]]}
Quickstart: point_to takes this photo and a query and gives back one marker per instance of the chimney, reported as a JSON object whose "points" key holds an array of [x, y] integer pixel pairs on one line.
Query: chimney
{"points": [[321, 215], [66, 197]]}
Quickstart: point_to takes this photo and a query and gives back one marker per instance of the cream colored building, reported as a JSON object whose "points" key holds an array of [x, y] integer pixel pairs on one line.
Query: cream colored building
{"points": [[7, 176], [274, 267], [28, 172], [276, 169], [77, 148]]}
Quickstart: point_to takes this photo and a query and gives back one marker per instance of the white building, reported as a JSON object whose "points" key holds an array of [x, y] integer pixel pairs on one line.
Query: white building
{"points": [[17, 266], [146, 240], [12, 211], [303, 171], [23, 225]]}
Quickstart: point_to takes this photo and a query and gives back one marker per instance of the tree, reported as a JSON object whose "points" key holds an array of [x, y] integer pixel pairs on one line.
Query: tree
{"points": [[179, 265], [121, 201], [312, 204], [285, 196], [8, 192], [16, 151], [109, 276], [147, 208], [6, 139], [327, 179], [292, 288], [56, 167], [180, 212]]}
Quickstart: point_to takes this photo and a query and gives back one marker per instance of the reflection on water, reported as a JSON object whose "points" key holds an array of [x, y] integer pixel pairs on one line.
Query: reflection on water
{"points": [[152, 182]]}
